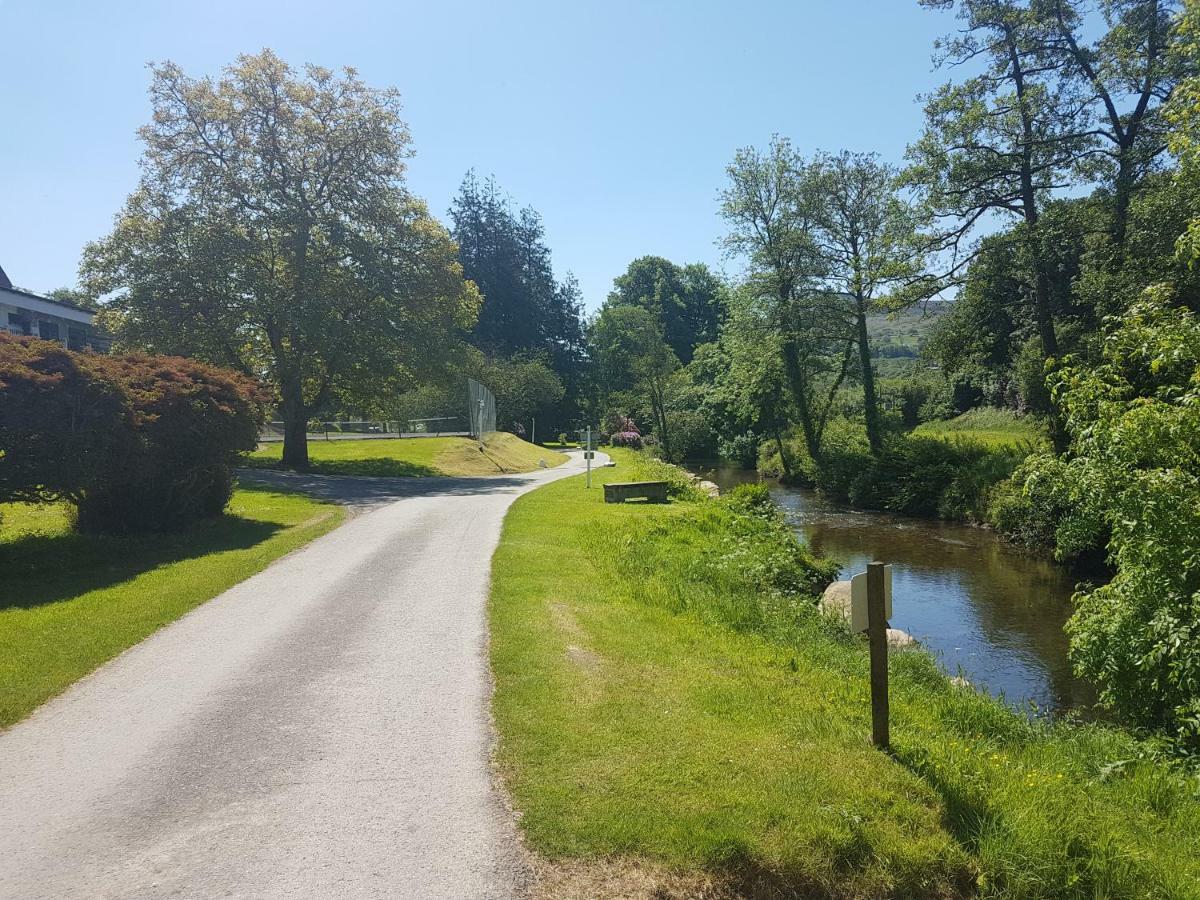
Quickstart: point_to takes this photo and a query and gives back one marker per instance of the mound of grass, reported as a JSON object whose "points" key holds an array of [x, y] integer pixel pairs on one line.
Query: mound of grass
{"points": [[69, 602], [996, 429], [668, 697], [398, 457]]}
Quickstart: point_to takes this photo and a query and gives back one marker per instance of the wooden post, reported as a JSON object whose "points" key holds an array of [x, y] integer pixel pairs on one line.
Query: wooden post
{"points": [[877, 636]]}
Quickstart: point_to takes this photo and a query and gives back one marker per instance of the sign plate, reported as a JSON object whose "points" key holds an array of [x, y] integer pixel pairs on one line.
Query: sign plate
{"points": [[858, 599], [589, 454]]}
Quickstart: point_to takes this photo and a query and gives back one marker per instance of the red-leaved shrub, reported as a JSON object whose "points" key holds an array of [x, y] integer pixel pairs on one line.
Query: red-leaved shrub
{"points": [[150, 442]]}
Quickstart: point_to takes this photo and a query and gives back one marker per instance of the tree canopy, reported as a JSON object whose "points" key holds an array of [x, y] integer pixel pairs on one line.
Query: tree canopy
{"points": [[272, 232]]}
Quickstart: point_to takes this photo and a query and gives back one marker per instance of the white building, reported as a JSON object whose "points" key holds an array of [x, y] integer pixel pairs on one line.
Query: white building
{"points": [[26, 313]]}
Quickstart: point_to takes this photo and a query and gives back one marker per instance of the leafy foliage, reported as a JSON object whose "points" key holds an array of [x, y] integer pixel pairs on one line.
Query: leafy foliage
{"points": [[525, 313], [1134, 468], [63, 423], [272, 233], [135, 442], [686, 301]]}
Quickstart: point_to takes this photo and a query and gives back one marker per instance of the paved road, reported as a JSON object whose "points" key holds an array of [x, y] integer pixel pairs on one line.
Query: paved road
{"points": [[321, 730]]}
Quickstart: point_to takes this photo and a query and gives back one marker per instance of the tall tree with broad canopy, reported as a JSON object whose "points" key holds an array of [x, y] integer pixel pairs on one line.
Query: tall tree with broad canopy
{"points": [[272, 232], [870, 253], [1125, 79], [688, 301], [999, 142], [772, 213], [631, 352], [525, 311]]}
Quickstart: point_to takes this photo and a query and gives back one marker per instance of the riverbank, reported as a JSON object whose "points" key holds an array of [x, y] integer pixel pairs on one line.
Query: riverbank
{"points": [[674, 714], [988, 610]]}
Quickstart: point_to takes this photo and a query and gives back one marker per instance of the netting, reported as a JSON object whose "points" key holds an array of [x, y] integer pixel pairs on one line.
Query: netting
{"points": [[481, 409]]}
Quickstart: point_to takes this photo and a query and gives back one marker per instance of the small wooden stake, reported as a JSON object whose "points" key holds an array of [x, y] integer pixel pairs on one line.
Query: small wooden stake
{"points": [[877, 636]]}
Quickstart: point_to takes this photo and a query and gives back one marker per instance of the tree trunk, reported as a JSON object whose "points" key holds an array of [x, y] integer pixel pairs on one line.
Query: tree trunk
{"points": [[783, 460], [792, 368], [870, 398], [295, 424], [1122, 195]]}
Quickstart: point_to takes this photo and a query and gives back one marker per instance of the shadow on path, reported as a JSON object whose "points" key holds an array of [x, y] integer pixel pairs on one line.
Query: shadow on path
{"points": [[366, 491]]}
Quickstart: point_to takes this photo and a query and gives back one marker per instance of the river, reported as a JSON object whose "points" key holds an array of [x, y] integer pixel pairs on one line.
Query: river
{"points": [[986, 609]]}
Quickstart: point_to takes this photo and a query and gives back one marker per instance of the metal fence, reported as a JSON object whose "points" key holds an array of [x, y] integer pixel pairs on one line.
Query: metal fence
{"points": [[437, 426], [481, 409]]}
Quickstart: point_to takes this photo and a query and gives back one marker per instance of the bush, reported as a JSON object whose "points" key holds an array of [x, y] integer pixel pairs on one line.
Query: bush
{"points": [[135, 442], [193, 421], [630, 439], [691, 436], [915, 475], [62, 422]]}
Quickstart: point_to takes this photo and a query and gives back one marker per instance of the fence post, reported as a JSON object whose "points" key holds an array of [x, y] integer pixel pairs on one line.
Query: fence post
{"points": [[877, 636]]}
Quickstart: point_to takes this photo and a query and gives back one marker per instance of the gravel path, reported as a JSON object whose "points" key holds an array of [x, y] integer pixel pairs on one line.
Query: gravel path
{"points": [[321, 730]]}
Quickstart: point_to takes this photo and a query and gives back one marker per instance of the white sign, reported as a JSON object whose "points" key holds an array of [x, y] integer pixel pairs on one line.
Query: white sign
{"points": [[858, 599]]}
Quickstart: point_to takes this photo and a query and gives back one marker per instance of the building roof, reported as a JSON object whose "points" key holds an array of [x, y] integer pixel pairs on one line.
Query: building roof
{"points": [[4, 282], [46, 305]]}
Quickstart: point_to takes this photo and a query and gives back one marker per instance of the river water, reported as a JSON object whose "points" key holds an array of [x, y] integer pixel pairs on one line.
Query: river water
{"points": [[986, 609]]}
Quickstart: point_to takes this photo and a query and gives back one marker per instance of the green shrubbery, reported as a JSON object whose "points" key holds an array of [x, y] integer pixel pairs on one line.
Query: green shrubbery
{"points": [[915, 475], [134, 442]]}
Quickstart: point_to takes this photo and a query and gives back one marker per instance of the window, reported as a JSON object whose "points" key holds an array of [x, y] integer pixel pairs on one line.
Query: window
{"points": [[47, 330], [76, 338], [19, 323]]}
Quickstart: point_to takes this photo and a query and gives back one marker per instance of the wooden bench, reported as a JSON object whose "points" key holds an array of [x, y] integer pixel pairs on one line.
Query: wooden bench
{"points": [[620, 491]]}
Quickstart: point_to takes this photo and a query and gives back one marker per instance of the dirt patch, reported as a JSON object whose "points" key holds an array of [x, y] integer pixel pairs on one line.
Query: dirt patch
{"points": [[564, 620], [618, 879], [577, 650], [583, 657]]}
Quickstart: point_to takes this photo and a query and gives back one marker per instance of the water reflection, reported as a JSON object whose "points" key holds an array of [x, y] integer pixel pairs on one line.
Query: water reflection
{"points": [[981, 605]]}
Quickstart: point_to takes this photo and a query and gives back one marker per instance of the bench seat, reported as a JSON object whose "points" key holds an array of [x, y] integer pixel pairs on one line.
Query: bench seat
{"points": [[620, 491]]}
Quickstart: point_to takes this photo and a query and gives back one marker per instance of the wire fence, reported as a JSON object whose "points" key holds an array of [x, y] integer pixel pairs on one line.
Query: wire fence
{"points": [[436, 426], [479, 422], [481, 408]]}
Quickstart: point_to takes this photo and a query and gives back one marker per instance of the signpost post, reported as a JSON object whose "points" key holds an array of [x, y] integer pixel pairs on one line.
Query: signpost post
{"points": [[588, 456], [877, 636]]}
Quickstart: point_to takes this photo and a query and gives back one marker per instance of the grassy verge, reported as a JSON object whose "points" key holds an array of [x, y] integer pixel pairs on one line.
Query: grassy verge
{"points": [[668, 698], [69, 602], [416, 456], [995, 429]]}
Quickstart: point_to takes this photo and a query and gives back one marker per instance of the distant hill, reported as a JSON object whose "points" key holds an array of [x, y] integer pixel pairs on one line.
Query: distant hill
{"points": [[901, 335]]}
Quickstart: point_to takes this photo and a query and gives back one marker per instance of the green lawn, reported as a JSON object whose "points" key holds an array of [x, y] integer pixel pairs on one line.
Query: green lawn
{"points": [[416, 456], [663, 704], [996, 429], [69, 602]]}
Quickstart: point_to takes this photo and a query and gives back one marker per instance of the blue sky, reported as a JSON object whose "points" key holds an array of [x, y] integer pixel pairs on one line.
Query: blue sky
{"points": [[613, 119]]}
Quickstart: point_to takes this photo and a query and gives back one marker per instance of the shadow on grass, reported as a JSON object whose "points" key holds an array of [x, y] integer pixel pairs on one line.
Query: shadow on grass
{"points": [[49, 568], [967, 818], [371, 468]]}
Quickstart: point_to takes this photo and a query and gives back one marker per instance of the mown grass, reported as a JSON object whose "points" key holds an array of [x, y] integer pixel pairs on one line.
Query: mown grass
{"points": [[400, 457], [659, 698], [995, 429], [69, 602]]}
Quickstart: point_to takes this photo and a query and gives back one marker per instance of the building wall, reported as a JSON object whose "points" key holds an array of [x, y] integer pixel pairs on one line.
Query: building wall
{"points": [[23, 314]]}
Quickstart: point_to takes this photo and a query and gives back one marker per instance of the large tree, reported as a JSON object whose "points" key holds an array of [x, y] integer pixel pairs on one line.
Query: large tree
{"points": [[1002, 141], [1124, 78], [688, 301], [772, 213], [525, 311], [633, 356], [272, 232], [869, 252]]}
